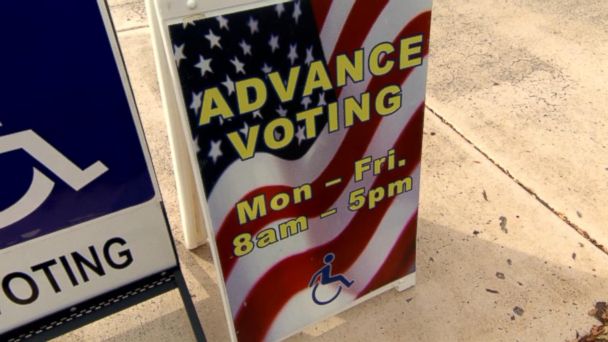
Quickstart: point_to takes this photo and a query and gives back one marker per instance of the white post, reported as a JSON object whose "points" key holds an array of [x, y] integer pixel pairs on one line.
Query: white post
{"points": [[193, 224]]}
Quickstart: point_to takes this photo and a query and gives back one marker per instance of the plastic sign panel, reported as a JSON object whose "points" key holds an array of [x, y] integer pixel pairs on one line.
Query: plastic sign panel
{"points": [[306, 119], [80, 212]]}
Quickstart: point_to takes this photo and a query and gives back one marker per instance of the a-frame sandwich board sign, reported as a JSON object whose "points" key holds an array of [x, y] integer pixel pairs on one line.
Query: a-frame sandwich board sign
{"points": [[303, 123], [83, 231]]}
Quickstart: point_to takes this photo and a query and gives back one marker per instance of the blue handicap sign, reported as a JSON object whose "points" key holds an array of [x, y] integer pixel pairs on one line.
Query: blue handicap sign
{"points": [[325, 276], [70, 150]]}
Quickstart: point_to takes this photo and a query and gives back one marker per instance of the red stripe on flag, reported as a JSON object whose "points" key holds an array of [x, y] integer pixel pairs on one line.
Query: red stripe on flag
{"points": [[291, 275], [320, 8], [353, 147], [400, 261], [359, 23]]}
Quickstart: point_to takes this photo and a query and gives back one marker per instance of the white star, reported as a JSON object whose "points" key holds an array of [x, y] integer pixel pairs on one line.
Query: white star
{"points": [[277, 135], [257, 114], [301, 135], [297, 11], [213, 40], [293, 53], [246, 48], [223, 23], [322, 101], [282, 111], [267, 69], [309, 57], [245, 130], [197, 147], [240, 67], [188, 21], [280, 8], [253, 25], [216, 150], [204, 65], [195, 105], [178, 53], [229, 84], [306, 102], [221, 120], [274, 43]]}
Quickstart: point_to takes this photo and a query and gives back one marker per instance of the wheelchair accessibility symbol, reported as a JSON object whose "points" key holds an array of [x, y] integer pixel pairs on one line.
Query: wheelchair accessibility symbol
{"points": [[324, 277], [41, 187]]}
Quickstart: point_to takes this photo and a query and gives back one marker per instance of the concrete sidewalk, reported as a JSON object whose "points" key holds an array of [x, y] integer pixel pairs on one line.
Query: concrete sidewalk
{"points": [[514, 187]]}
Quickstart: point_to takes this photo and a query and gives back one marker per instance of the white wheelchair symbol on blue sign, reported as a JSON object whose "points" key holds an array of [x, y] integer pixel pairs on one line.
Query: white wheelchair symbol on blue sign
{"points": [[71, 146], [41, 187]]}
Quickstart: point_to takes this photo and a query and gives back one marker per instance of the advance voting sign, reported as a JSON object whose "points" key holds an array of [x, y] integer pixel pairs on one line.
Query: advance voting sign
{"points": [[80, 213], [306, 120]]}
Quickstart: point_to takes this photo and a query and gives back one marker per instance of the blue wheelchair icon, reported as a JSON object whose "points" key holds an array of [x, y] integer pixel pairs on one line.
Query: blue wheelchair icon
{"points": [[324, 277]]}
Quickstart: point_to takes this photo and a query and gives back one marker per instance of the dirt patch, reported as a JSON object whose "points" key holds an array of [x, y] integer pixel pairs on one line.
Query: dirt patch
{"points": [[503, 224], [598, 333]]}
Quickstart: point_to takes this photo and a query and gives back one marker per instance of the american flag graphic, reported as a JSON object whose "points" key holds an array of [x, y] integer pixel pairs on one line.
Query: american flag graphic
{"points": [[268, 289]]}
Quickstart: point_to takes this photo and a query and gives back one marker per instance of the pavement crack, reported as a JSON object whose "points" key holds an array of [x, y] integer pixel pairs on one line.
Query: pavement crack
{"points": [[529, 190], [131, 28]]}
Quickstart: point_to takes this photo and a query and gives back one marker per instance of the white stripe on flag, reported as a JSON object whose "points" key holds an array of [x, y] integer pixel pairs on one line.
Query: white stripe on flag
{"points": [[336, 18], [376, 252]]}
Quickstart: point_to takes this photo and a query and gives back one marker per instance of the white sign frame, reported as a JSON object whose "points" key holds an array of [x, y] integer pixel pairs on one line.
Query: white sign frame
{"points": [[162, 14]]}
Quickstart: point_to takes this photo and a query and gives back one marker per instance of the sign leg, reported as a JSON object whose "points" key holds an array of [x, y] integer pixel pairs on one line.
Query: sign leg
{"points": [[197, 328]]}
